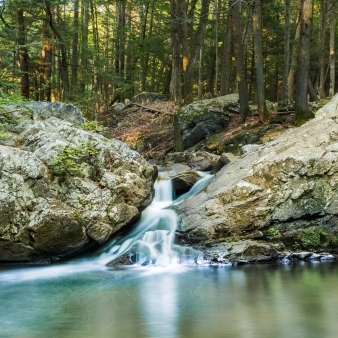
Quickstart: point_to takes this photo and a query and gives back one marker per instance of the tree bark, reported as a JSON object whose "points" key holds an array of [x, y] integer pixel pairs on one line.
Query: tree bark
{"points": [[294, 58], [322, 29], [301, 102], [260, 90], [226, 55], [235, 8], [75, 43], [194, 52], [286, 50], [23, 54], [332, 48], [175, 82]]}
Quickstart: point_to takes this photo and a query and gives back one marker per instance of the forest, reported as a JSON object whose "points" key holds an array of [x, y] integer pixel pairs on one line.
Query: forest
{"points": [[94, 53]]}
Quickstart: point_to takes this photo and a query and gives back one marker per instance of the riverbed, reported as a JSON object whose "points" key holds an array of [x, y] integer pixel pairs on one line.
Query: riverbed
{"points": [[294, 300]]}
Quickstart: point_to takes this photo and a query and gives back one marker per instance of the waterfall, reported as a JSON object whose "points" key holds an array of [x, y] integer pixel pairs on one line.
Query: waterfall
{"points": [[152, 237]]}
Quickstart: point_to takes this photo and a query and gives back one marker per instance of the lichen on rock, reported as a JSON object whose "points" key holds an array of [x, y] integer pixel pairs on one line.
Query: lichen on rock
{"points": [[62, 189]]}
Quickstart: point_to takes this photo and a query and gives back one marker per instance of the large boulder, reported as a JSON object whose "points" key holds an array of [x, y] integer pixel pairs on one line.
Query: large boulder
{"points": [[63, 189], [200, 160], [285, 192], [200, 119]]}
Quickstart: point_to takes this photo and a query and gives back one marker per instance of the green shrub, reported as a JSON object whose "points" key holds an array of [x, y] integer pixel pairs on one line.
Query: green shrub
{"points": [[311, 238], [273, 233], [68, 163]]}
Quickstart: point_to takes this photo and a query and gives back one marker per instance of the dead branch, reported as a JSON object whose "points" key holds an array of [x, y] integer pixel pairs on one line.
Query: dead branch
{"points": [[147, 108]]}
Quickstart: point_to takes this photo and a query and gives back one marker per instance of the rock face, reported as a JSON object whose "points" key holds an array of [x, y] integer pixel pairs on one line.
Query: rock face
{"points": [[200, 160], [183, 181], [62, 189], [197, 120], [284, 192]]}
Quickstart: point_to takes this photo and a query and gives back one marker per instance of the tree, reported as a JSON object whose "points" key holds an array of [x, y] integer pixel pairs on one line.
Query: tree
{"points": [[301, 101], [235, 12], [257, 31]]}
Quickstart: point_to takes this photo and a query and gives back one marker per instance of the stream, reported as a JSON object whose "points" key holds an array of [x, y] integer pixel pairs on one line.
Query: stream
{"points": [[160, 297]]}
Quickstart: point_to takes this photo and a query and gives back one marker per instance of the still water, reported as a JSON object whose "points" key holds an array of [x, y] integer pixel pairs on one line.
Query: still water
{"points": [[175, 301]]}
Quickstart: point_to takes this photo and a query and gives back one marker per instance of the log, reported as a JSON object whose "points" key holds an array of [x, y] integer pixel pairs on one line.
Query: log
{"points": [[147, 108]]}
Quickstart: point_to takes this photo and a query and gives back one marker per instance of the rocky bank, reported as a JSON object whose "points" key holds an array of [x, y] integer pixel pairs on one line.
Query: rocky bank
{"points": [[63, 189], [275, 199]]}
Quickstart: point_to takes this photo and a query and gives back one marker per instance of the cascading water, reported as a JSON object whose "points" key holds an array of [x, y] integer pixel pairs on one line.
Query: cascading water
{"points": [[152, 237]]}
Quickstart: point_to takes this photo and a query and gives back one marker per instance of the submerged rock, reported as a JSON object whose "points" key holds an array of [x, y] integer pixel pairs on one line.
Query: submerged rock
{"points": [[62, 189], [286, 190]]}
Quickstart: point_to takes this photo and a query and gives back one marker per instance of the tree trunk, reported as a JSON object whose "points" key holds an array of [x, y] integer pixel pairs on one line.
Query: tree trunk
{"points": [[63, 50], [75, 43], [175, 82], [332, 48], [322, 29], [286, 50], [95, 60], [194, 52], [257, 32], [84, 45], [217, 10], [200, 74], [301, 102], [23, 54], [294, 58], [235, 9], [226, 56]]}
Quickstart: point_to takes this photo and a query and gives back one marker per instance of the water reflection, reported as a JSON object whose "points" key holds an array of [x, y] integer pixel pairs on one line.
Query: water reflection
{"points": [[160, 305], [251, 301]]}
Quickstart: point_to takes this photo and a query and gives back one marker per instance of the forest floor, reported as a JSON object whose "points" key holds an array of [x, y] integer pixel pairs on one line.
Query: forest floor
{"points": [[152, 135]]}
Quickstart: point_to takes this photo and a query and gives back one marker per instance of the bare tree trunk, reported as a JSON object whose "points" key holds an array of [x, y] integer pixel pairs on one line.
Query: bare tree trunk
{"points": [[301, 102], [323, 13], [200, 74], [63, 49], [143, 26], [226, 56], [248, 27], [75, 43], [23, 54], [257, 31], [84, 44], [194, 52], [294, 58], [235, 8], [217, 10], [95, 61], [286, 50], [175, 82], [332, 48]]}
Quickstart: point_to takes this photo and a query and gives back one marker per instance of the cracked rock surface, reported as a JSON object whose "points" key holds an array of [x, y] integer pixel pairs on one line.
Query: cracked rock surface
{"points": [[51, 212], [289, 185]]}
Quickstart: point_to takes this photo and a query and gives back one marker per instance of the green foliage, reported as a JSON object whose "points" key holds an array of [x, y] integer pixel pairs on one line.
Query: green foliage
{"points": [[335, 240], [11, 98], [68, 163], [312, 238], [273, 233], [78, 214], [92, 126]]}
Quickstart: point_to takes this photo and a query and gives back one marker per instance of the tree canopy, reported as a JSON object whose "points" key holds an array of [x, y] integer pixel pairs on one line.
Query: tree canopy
{"points": [[95, 52]]}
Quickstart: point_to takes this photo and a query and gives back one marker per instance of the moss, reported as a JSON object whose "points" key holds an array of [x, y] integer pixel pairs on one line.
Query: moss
{"points": [[312, 238]]}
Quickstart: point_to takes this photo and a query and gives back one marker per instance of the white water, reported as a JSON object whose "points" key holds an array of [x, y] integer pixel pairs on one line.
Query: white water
{"points": [[151, 239]]}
